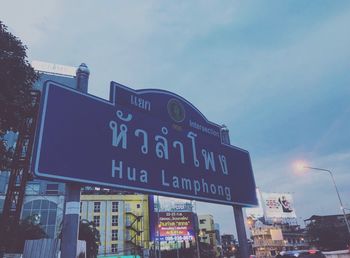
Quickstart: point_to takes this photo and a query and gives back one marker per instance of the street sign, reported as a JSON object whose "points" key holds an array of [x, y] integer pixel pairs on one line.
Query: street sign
{"points": [[150, 141]]}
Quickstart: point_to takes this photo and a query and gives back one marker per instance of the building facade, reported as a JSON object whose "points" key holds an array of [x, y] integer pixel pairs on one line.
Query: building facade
{"points": [[207, 232], [267, 241], [43, 199], [274, 226], [294, 237], [329, 232], [122, 220]]}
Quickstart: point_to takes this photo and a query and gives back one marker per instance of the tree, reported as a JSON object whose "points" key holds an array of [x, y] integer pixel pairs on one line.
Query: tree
{"points": [[327, 236], [206, 250], [17, 234], [89, 233], [16, 80]]}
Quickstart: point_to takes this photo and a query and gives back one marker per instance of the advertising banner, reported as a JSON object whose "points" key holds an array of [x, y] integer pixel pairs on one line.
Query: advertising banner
{"points": [[175, 226], [278, 205], [168, 204]]}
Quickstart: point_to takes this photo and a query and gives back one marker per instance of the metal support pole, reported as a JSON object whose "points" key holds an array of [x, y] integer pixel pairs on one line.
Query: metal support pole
{"points": [[237, 210], [158, 229], [336, 189], [70, 229], [341, 204], [241, 234], [177, 249], [198, 247], [196, 233]]}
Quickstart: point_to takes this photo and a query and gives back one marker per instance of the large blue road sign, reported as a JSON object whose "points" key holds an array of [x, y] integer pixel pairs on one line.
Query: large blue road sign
{"points": [[150, 141]]}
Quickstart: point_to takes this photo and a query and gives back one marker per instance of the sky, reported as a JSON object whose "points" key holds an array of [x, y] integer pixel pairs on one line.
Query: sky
{"points": [[277, 73]]}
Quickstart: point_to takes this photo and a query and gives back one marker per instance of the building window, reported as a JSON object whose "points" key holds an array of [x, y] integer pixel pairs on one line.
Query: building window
{"points": [[45, 214], [138, 206], [97, 221], [97, 206], [32, 189], [81, 206], [114, 235], [114, 220], [114, 248], [202, 221], [114, 206], [52, 189]]}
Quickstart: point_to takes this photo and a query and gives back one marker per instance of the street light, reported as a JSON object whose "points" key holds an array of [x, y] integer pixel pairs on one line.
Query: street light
{"points": [[336, 189]]}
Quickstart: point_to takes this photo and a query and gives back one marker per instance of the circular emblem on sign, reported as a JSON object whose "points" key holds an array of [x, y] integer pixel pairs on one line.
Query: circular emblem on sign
{"points": [[176, 110]]}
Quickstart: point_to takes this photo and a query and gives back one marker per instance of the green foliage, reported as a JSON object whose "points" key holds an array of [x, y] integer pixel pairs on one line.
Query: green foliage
{"points": [[89, 233], [16, 80], [206, 250], [15, 235]]}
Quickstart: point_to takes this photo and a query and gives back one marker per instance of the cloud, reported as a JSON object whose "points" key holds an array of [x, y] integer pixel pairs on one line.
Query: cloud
{"points": [[313, 191], [29, 20], [276, 74]]}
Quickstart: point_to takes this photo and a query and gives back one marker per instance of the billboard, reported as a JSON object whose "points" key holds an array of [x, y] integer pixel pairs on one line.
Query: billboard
{"points": [[175, 226], [45, 67], [169, 204], [278, 205], [146, 141], [171, 210]]}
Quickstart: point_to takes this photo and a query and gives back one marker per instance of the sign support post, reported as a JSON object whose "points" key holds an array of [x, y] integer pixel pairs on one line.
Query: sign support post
{"points": [[158, 230], [237, 210], [241, 234], [70, 229]]}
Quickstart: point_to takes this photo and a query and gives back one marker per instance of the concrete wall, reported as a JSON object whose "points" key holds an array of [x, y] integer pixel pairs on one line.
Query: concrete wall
{"points": [[338, 254]]}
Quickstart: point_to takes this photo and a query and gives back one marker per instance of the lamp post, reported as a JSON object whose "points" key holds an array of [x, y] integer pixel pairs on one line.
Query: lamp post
{"points": [[336, 189]]}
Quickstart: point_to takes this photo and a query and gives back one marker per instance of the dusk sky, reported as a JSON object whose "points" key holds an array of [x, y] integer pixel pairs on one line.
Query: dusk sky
{"points": [[277, 73]]}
